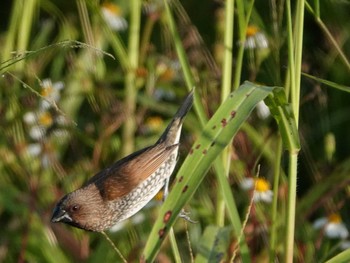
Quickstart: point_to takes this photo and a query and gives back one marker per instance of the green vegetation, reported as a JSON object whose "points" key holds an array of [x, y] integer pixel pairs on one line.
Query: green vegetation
{"points": [[83, 83]]}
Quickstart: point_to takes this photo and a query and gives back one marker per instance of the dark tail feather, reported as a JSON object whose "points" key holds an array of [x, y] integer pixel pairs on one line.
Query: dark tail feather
{"points": [[173, 126]]}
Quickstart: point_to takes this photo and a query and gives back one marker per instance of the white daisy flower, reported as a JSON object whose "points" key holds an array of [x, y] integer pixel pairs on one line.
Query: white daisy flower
{"points": [[51, 91], [38, 123], [332, 226], [262, 189], [113, 16], [255, 39]]}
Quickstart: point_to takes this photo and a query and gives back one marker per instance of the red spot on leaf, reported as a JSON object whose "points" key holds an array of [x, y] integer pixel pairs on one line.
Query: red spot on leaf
{"points": [[198, 146], [223, 122], [185, 189], [161, 232], [167, 216], [180, 179], [191, 151], [205, 151], [233, 114]]}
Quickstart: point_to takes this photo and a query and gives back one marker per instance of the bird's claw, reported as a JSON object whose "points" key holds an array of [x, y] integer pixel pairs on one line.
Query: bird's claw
{"points": [[186, 216]]}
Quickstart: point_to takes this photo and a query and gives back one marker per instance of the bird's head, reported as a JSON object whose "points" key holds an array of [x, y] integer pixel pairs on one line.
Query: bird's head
{"points": [[83, 208]]}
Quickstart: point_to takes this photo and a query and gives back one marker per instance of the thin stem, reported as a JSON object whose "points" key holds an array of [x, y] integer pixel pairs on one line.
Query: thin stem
{"points": [[292, 185], [85, 22], [130, 81], [174, 246], [334, 42], [243, 22], [228, 43], [25, 25], [298, 41], [146, 36], [277, 173], [114, 247], [295, 59], [225, 91], [189, 79]]}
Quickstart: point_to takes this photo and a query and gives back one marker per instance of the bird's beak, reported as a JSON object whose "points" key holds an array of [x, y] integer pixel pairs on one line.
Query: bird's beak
{"points": [[60, 215]]}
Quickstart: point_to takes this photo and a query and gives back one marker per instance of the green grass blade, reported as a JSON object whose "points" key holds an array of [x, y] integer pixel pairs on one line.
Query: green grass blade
{"points": [[213, 245], [328, 83], [340, 258], [185, 65]]}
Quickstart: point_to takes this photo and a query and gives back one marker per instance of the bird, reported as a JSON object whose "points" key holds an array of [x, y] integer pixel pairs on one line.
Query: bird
{"points": [[122, 189]]}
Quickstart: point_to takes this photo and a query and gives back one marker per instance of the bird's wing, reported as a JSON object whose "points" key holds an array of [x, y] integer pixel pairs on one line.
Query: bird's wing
{"points": [[126, 174]]}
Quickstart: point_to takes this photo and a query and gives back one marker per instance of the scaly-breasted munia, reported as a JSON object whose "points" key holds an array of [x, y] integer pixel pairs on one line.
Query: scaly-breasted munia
{"points": [[121, 190]]}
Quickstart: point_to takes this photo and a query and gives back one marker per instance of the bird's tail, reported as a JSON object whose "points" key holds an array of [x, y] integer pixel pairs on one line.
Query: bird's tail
{"points": [[171, 135]]}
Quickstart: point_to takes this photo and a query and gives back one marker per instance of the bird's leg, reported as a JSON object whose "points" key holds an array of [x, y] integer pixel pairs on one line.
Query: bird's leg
{"points": [[166, 189], [186, 216]]}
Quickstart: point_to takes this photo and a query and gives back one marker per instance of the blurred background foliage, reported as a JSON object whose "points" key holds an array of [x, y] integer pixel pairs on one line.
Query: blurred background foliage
{"points": [[67, 109]]}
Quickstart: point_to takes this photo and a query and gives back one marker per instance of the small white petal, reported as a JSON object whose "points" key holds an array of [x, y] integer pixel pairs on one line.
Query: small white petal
{"points": [[61, 120], [46, 83], [249, 43], [117, 23], [34, 149], [247, 183], [45, 105], [336, 230], [266, 196], [37, 132], [30, 118], [261, 40], [58, 85], [256, 197], [262, 196], [319, 223]]}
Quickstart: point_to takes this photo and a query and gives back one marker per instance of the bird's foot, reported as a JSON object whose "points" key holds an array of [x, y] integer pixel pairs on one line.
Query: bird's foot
{"points": [[186, 216]]}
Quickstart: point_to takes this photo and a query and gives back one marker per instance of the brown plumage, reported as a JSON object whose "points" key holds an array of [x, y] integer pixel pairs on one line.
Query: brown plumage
{"points": [[121, 190]]}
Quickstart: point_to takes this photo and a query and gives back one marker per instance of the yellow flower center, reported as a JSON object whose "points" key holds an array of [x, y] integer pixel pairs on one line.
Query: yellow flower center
{"points": [[112, 8], [45, 119], [334, 218], [47, 91], [261, 185], [251, 31]]}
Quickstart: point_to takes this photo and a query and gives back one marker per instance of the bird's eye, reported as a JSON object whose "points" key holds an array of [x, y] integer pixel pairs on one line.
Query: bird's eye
{"points": [[75, 208]]}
